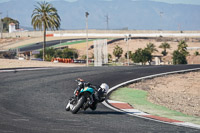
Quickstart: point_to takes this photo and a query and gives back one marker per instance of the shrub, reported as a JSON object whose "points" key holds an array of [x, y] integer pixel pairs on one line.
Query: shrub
{"points": [[117, 52], [142, 55], [57, 53], [179, 58], [196, 53]]}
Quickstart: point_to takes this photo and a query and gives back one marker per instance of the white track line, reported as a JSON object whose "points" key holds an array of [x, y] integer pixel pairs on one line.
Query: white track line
{"points": [[24, 69]]}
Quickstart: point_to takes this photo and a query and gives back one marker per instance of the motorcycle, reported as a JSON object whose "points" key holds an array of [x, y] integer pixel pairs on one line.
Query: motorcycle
{"points": [[87, 97]]}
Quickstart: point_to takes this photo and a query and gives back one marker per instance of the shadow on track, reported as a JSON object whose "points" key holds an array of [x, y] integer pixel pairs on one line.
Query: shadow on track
{"points": [[101, 112]]}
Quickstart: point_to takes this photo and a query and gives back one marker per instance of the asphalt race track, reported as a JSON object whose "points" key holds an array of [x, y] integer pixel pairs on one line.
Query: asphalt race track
{"points": [[39, 45], [34, 102]]}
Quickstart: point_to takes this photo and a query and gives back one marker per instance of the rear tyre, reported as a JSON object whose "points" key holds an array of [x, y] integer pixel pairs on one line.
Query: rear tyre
{"points": [[93, 106], [79, 104]]}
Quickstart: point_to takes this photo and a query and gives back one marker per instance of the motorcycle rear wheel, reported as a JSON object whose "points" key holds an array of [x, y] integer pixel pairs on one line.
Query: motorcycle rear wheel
{"points": [[78, 105], [93, 106]]}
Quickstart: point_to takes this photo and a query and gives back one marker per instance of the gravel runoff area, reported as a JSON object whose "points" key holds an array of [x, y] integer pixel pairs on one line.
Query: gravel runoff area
{"points": [[11, 63], [178, 92]]}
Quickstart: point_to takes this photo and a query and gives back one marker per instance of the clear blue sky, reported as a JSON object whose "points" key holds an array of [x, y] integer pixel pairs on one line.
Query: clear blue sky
{"points": [[194, 2]]}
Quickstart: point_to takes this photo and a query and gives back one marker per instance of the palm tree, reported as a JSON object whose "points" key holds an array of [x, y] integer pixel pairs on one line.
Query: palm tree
{"points": [[165, 46], [182, 47], [45, 17], [151, 48], [117, 52]]}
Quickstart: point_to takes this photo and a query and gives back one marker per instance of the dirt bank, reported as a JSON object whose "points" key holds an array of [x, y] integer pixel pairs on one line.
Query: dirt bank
{"points": [[179, 92]]}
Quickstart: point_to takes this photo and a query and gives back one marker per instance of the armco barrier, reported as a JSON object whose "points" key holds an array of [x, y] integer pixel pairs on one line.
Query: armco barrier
{"points": [[49, 35]]}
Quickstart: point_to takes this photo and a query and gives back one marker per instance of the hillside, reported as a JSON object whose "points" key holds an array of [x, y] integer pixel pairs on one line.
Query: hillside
{"points": [[129, 14]]}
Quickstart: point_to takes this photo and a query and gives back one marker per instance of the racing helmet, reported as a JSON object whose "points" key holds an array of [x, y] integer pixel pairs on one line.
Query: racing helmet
{"points": [[104, 87]]}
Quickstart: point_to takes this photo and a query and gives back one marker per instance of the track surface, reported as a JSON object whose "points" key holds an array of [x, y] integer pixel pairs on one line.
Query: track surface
{"points": [[34, 101], [39, 45]]}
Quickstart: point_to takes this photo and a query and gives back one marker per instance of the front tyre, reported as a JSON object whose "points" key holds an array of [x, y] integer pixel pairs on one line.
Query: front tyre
{"points": [[79, 104], [67, 108]]}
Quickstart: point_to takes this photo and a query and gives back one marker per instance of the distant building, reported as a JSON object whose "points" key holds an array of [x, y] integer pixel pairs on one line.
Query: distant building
{"points": [[12, 27], [15, 28]]}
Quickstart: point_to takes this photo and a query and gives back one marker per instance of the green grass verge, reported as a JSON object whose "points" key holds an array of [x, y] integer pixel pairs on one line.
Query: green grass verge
{"points": [[62, 44], [71, 43], [138, 99], [58, 45]]}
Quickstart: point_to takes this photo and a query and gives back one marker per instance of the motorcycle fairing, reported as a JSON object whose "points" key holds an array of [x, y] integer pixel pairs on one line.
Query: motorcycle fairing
{"points": [[89, 89]]}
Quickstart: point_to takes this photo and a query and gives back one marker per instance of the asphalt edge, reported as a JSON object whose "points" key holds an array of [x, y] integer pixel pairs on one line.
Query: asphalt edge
{"points": [[24, 69], [127, 109]]}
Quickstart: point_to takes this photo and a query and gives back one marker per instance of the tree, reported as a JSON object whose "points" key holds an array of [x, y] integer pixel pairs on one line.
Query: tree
{"points": [[182, 48], [142, 55], [165, 46], [196, 53], [70, 53], [179, 58], [117, 52], [109, 57], [6, 21], [179, 55], [58, 53], [45, 17], [50, 52], [136, 57], [151, 48]]}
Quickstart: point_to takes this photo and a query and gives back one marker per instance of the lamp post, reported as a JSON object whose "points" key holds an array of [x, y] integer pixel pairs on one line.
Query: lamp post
{"points": [[127, 37], [1, 26], [87, 14], [60, 36]]}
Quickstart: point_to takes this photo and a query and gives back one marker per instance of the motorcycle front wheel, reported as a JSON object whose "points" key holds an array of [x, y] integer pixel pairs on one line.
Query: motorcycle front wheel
{"points": [[78, 105], [67, 108]]}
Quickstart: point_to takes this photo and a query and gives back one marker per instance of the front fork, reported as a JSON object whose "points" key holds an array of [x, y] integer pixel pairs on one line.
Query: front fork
{"points": [[76, 94]]}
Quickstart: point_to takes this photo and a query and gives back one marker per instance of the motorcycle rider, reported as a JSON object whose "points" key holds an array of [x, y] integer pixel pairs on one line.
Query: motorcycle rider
{"points": [[100, 92]]}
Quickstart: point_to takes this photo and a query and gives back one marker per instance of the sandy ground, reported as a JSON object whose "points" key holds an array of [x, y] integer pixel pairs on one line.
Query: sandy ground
{"points": [[179, 92], [11, 63], [16, 42], [134, 44]]}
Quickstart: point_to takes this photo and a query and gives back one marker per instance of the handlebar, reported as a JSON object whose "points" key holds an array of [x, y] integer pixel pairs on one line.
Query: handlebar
{"points": [[85, 83]]}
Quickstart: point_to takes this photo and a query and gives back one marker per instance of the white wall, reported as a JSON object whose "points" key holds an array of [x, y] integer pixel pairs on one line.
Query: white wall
{"points": [[12, 28], [104, 33]]}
